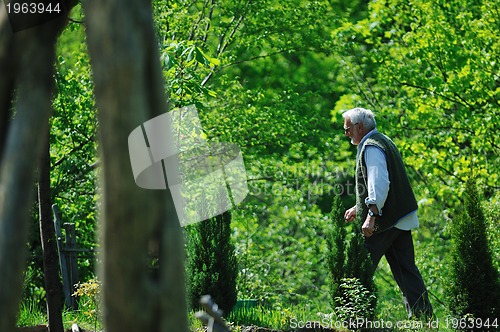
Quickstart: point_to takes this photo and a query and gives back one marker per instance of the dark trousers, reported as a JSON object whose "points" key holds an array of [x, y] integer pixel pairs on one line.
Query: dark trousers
{"points": [[397, 246]]}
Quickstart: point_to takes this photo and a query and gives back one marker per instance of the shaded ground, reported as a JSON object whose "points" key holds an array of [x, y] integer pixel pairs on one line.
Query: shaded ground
{"points": [[262, 329], [44, 328], [254, 328], [41, 328]]}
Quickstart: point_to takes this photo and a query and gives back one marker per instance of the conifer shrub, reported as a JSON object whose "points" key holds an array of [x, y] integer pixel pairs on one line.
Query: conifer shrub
{"points": [[211, 262], [474, 287], [492, 213], [353, 300], [349, 265]]}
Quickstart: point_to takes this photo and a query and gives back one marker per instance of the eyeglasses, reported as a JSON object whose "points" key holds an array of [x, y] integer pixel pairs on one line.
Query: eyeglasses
{"points": [[348, 129]]}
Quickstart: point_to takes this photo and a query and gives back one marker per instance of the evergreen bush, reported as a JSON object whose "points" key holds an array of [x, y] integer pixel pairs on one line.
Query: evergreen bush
{"points": [[336, 248], [348, 259], [211, 262], [351, 304], [492, 214], [474, 287]]}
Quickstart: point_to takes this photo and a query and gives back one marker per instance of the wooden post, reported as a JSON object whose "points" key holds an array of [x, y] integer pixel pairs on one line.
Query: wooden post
{"points": [[71, 253], [62, 257], [67, 260]]}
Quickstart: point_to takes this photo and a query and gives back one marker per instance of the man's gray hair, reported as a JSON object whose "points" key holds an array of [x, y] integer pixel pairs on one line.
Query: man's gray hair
{"points": [[361, 115]]}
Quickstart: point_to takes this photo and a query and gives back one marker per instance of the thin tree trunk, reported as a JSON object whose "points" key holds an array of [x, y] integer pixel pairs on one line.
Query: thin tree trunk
{"points": [[21, 147], [53, 284], [129, 91]]}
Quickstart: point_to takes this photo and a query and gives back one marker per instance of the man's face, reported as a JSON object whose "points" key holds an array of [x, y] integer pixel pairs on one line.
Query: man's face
{"points": [[354, 131]]}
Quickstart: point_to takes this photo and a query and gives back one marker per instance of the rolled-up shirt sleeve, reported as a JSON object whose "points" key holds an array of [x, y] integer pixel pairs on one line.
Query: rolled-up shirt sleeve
{"points": [[377, 176]]}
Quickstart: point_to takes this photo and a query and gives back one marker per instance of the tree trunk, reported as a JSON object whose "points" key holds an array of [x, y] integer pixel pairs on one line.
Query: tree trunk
{"points": [[129, 91], [53, 285], [9, 67], [21, 145]]}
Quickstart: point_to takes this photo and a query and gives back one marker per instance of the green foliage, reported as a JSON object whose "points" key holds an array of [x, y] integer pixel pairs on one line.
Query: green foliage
{"points": [[261, 75], [492, 214], [348, 258], [211, 265], [262, 316], [281, 249], [30, 314], [474, 286], [337, 249], [33, 286], [272, 76], [426, 68], [353, 300], [358, 262], [184, 65], [264, 66]]}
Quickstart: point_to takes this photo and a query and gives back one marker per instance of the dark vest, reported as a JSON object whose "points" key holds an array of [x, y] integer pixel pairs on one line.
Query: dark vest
{"points": [[400, 199]]}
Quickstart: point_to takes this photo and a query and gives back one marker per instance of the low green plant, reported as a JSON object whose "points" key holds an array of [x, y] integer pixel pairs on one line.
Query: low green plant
{"points": [[348, 260], [261, 316], [194, 323], [352, 304], [30, 314]]}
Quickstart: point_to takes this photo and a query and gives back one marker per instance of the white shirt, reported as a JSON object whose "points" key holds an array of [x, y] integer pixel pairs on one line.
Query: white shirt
{"points": [[379, 184]]}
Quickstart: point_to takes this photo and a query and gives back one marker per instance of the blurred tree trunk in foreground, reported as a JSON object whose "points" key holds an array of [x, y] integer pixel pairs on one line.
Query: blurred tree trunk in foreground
{"points": [[26, 84], [129, 90]]}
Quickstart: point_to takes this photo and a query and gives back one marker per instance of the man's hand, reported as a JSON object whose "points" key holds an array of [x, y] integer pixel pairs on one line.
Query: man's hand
{"points": [[350, 214], [368, 226]]}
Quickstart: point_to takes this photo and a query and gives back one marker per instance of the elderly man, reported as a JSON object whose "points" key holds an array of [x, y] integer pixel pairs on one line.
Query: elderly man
{"points": [[387, 207]]}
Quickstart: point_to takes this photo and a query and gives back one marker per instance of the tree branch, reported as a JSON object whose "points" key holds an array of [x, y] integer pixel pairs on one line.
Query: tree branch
{"points": [[430, 91], [200, 18], [225, 41]]}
